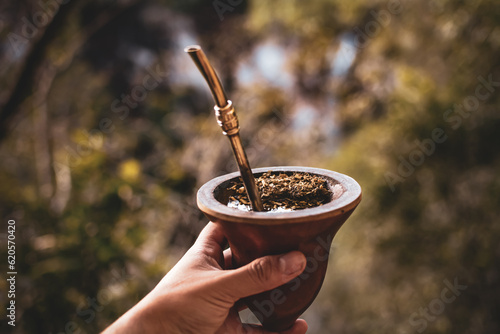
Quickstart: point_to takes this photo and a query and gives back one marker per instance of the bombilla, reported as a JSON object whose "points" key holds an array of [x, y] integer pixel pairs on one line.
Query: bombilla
{"points": [[228, 121]]}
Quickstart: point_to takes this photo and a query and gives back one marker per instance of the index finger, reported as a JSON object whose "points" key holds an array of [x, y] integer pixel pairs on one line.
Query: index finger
{"points": [[211, 241]]}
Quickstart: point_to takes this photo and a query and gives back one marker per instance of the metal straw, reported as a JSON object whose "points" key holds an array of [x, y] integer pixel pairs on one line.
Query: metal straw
{"points": [[228, 121]]}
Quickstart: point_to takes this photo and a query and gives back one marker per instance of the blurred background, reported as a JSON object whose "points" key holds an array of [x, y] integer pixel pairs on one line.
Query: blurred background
{"points": [[107, 132]]}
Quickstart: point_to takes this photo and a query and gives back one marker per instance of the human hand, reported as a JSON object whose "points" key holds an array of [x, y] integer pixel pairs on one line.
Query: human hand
{"points": [[199, 294]]}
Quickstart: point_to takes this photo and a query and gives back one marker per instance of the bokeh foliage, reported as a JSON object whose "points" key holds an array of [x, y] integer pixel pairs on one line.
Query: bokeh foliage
{"points": [[103, 188]]}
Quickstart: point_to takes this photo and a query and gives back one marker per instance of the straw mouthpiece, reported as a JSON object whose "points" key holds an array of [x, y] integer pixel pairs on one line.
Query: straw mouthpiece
{"points": [[192, 48]]}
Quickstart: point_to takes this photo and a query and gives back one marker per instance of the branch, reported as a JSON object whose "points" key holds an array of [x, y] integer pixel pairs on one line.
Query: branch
{"points": [[35, 59]]}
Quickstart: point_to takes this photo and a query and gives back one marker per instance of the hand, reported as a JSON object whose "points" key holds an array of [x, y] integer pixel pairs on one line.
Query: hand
{"points": [[198, 295]]}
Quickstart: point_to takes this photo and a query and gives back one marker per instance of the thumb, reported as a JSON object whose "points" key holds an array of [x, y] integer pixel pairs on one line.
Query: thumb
{"points": [[263, 274]]}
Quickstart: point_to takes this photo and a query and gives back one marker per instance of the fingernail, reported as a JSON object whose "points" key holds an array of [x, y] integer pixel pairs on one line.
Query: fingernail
{"points": [[292, 263]]}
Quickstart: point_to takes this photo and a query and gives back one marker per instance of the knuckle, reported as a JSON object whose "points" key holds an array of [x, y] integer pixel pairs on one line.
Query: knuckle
{"points": [[262, 270]]}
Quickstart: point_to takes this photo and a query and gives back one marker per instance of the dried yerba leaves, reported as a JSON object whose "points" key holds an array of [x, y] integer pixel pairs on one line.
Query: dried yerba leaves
{"points": [[290, 192]]}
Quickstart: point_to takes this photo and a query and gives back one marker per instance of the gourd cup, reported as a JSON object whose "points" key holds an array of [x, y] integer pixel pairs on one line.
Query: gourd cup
{"points": [[253, 234]]}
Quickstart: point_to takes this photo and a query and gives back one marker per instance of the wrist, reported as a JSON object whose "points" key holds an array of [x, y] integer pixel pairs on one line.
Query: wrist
{"points": [[142, 318]]}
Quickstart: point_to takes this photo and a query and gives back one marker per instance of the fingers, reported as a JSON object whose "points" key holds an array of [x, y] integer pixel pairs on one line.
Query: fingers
{"points": [[228, 259], [211, 241], [262, 274], [300, 327]]}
